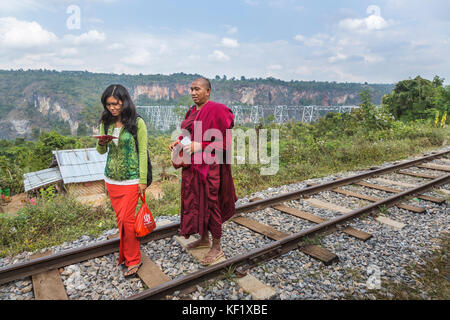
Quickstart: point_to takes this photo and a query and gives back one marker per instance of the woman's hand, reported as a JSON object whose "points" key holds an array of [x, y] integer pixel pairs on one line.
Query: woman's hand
{"points": [[173, 144], [193, 147], [141, 188]]}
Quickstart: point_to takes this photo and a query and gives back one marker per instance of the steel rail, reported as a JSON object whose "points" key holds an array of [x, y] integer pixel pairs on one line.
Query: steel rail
{"points": [[76, 255], [306, 192], [71, 256], [276, 248]]}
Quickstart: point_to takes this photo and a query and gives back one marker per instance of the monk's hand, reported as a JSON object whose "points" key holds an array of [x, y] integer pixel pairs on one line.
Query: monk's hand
{"points": [[141, 188], [193, 147], [173, 144]]}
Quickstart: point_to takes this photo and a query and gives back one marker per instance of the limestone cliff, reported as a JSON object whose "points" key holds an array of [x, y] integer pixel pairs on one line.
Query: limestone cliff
{"points": [[47, 106], [44, 113]]}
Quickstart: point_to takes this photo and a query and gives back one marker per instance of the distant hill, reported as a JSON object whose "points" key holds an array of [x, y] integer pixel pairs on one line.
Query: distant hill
{"points": [[69, 101]]}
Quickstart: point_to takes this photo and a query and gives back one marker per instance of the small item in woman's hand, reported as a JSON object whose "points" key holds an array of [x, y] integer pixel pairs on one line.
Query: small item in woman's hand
{"points": [[103, 140], [105, 137]]}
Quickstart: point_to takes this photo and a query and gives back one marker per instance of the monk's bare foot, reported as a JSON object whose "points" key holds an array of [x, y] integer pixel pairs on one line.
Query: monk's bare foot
{"points": [[212, 256], [197, 244]]}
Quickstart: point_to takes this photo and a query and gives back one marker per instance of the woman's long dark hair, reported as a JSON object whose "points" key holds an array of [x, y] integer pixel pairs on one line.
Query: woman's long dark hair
{"points": [[128, 114]]}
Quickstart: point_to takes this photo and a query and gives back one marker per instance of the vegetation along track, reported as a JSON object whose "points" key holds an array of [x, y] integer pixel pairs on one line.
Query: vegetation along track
{"points": [[46, 278]]}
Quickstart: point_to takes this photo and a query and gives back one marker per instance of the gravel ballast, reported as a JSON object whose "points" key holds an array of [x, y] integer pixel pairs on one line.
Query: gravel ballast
{"points": [[295, 275]]}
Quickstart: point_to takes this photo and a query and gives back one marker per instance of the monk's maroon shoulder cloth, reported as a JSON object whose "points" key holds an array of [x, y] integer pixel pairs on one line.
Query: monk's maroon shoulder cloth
{"points": [[208, 195]]}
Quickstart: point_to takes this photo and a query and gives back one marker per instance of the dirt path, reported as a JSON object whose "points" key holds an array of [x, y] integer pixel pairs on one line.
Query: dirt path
{"points": [[18, 201], [155, 190]]}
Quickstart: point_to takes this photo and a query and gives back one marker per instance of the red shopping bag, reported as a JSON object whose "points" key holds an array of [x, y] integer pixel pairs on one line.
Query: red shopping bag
{"points": [[144, 220]]}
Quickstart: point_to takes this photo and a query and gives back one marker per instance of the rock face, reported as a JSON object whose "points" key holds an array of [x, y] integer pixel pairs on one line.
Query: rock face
{"points": [[284, 95], [248, 95], [168, 91], [21, 126], [47, 105], [19, 123], [153, 92]]}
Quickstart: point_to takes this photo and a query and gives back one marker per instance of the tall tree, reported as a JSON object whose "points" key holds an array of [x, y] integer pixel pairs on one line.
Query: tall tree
{"points": [[413, 99]]}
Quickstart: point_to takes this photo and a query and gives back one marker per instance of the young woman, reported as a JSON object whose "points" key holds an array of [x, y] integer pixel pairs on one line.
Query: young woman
{"points": [[126, 169]]}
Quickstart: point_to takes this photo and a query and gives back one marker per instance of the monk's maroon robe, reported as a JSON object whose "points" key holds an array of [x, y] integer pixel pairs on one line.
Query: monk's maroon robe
{"points": [[207, 190]]}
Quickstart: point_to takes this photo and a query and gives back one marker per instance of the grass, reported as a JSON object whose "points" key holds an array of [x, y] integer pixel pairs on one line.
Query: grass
{"points": [[347, 157], [383, 210], [51, 222], [169, 204], [315, 240]]}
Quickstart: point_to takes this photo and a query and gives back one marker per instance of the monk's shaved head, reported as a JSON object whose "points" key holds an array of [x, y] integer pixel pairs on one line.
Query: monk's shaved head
{"points": [[200, 91], [204, 82]]}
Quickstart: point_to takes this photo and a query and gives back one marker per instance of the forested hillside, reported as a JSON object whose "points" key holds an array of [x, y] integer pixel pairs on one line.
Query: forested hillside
{"points": [[39, 100]]}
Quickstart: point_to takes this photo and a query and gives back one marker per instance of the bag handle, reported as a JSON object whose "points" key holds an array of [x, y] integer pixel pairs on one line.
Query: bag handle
{"points": [[142, 198]]}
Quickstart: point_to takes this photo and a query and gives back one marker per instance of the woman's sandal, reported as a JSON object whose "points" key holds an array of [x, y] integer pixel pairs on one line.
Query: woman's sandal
{"points": [[131, 269], [211, 259]]}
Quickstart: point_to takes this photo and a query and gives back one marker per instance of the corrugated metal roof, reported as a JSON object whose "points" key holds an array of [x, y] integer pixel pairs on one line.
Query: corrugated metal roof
{"points": [[41, 178], [81, 165]]}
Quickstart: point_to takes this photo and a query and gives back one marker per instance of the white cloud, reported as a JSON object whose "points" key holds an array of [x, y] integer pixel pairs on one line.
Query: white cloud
{"points": [[303, 71], [348, 47], [68, 52], [337, 57], [218, 55], [115, 46], [314, 41], [299, 37], [230, 43], [19, 5], [231, 29], [371, 58], [275, 67], [372, 22], [90, 37], [48, 61], [23, 34], [140, 57], [194, 57]]}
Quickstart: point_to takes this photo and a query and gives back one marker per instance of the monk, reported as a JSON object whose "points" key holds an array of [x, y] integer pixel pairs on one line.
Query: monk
{"points": [[207, 189]]}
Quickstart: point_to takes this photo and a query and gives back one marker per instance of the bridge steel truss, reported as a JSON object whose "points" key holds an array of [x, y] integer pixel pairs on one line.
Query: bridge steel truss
{"points": [[164, 117]]}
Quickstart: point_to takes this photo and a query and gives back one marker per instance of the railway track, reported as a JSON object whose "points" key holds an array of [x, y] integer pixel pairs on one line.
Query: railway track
{"points": [[47, 282]]}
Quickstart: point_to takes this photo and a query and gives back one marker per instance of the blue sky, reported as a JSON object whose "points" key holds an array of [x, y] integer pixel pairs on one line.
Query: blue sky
{"points": [[346, 41]]}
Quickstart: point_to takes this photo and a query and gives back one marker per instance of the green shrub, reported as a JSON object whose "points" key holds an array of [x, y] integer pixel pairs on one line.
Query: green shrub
{"points": [[51, 221]]}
